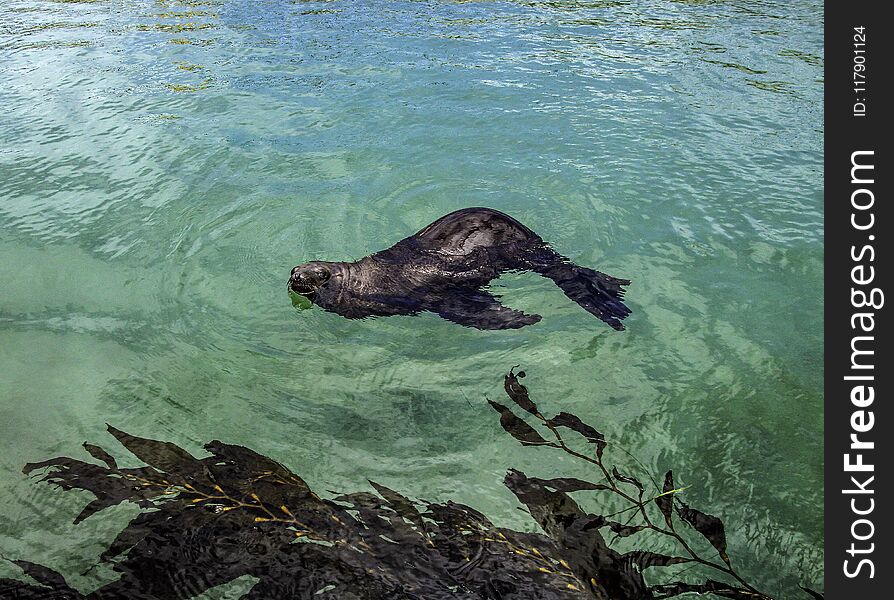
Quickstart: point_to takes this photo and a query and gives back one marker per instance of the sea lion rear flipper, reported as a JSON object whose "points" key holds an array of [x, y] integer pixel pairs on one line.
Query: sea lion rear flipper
{"points": [[481, 310], [597, 293]]}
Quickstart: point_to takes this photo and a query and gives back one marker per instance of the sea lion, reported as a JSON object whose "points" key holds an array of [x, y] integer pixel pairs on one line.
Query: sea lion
{"points": [[443, 268]]}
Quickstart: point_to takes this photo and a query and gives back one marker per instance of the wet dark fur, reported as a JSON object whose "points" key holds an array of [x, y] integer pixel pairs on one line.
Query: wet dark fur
{"points": [[443, 269]]}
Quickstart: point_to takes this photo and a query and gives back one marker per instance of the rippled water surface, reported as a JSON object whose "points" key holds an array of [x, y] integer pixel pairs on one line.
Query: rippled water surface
{"points": [[164, 164]]}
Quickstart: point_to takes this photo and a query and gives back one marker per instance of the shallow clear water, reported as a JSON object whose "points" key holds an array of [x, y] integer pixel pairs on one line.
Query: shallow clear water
{"points": [[164, 164]]}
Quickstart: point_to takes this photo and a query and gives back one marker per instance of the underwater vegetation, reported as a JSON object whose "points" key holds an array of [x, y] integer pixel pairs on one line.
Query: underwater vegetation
{"points": [[207, 521]]}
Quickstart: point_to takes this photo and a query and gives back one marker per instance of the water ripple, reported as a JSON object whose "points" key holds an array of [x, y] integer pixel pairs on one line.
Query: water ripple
{"points": [[163, 166]]}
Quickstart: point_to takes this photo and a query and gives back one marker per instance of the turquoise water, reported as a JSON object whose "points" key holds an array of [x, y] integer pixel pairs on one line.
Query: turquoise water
{"points": [[164, 164]]}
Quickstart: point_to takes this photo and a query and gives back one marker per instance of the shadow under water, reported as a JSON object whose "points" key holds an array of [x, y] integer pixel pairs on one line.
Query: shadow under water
{"points": [[236, 513]]}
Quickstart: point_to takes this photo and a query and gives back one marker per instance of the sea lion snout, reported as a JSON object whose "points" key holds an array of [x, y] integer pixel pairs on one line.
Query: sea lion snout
{"points": [[308, 278]]}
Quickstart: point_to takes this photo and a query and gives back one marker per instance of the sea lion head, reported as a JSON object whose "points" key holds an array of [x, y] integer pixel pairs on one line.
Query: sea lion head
{"points": [[309, 278]]}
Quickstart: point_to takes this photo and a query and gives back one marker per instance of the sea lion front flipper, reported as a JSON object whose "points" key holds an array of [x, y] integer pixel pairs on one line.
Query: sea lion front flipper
{"points": [[474, 308]]}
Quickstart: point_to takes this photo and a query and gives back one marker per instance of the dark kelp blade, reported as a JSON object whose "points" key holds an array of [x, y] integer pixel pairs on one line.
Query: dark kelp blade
{"points": [[644, 560], [625, 479], [553, 511], [518, 392], [401, 505], [165, 456], [708, 525], [360, 500], [622, 530], [517, 428], [457, 516], [248, 472], [665, 501], [569, 484], [17, 590], [573, 422], [101, 455], [619, 529], [101, 503], [109, 486], [43, 575], [250, 460], [66, 469]]}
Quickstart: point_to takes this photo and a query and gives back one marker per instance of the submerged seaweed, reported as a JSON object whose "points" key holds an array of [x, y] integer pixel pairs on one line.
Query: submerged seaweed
{"points": [[208, 521]]}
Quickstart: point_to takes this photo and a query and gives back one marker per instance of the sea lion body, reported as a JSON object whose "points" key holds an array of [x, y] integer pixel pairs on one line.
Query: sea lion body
{"points": [[443, 268]]}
